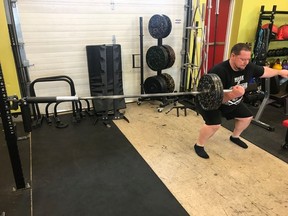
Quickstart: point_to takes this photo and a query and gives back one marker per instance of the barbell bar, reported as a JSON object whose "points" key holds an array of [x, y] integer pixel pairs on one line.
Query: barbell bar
{"points": [[209, 94], [112, 97]]}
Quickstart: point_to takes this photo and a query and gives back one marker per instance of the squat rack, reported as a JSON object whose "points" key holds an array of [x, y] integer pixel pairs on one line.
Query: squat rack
{"points": [[10, 135]]}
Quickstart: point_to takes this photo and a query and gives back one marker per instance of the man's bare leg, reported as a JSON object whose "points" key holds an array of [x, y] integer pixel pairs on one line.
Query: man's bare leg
{"points": [[205, 133], [240, 125]]}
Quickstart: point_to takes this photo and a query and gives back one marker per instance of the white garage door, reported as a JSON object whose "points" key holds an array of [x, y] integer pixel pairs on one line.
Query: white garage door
{"points": [[56, 33]]}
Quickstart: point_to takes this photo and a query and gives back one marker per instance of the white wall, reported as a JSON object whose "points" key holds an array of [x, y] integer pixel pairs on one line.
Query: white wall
{"points": [[56, 33]]}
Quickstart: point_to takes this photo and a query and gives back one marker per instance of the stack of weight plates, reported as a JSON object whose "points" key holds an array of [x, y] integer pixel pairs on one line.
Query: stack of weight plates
{"points": [[159, 57]]}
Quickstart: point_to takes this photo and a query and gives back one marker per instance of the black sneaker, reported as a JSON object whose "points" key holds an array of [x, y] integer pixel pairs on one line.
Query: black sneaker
{"points": [[238, 142], [200, 151]]}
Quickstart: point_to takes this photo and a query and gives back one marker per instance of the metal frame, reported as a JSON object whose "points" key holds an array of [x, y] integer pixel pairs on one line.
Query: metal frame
{"points": [[266, 100], [10, 135]]}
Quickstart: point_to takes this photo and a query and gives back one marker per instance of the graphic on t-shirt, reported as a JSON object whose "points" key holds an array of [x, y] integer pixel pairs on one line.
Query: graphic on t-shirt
{"points": [[237, 81]]}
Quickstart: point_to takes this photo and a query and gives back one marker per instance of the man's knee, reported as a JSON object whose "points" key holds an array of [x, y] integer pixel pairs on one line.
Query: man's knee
{"points": [[247, 119], [214, 127]]}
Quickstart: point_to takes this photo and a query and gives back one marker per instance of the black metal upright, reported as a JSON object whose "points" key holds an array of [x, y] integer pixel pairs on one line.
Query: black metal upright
{"points": [[17, 44], [141, 54], [10, 135], [186, 45]]}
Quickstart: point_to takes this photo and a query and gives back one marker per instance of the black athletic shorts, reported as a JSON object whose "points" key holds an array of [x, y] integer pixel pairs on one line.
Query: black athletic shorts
{"points": [[214, 117]]}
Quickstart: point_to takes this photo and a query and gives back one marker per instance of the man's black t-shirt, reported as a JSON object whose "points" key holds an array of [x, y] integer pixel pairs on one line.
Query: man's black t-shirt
{"points": [[230, 78]]}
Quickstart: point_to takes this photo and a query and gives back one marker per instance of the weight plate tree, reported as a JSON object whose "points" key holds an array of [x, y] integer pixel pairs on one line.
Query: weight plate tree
{"points": [[159, 57]]}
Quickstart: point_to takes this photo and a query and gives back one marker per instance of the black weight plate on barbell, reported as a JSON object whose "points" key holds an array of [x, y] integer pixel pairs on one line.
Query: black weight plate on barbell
{"points": [[169, 82], [219, 94], [211, 88], [159, 26], [155, 84], [157, 58], [171, 56]]}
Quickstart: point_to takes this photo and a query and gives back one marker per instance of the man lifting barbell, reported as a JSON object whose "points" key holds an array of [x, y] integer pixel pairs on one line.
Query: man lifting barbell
{"points": [[235, 73]]}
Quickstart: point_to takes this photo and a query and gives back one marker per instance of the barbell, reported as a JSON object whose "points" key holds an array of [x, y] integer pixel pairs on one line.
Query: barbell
{"points": [[209, 94]]}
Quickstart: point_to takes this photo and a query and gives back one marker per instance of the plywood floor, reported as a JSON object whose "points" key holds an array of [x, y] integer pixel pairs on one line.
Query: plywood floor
{"points": [[234, 181]]}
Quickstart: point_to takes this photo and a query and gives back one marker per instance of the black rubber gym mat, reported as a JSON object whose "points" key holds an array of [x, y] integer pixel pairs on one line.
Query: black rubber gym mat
{"points": [[88, 169], [14, 202], [270, 141]]}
